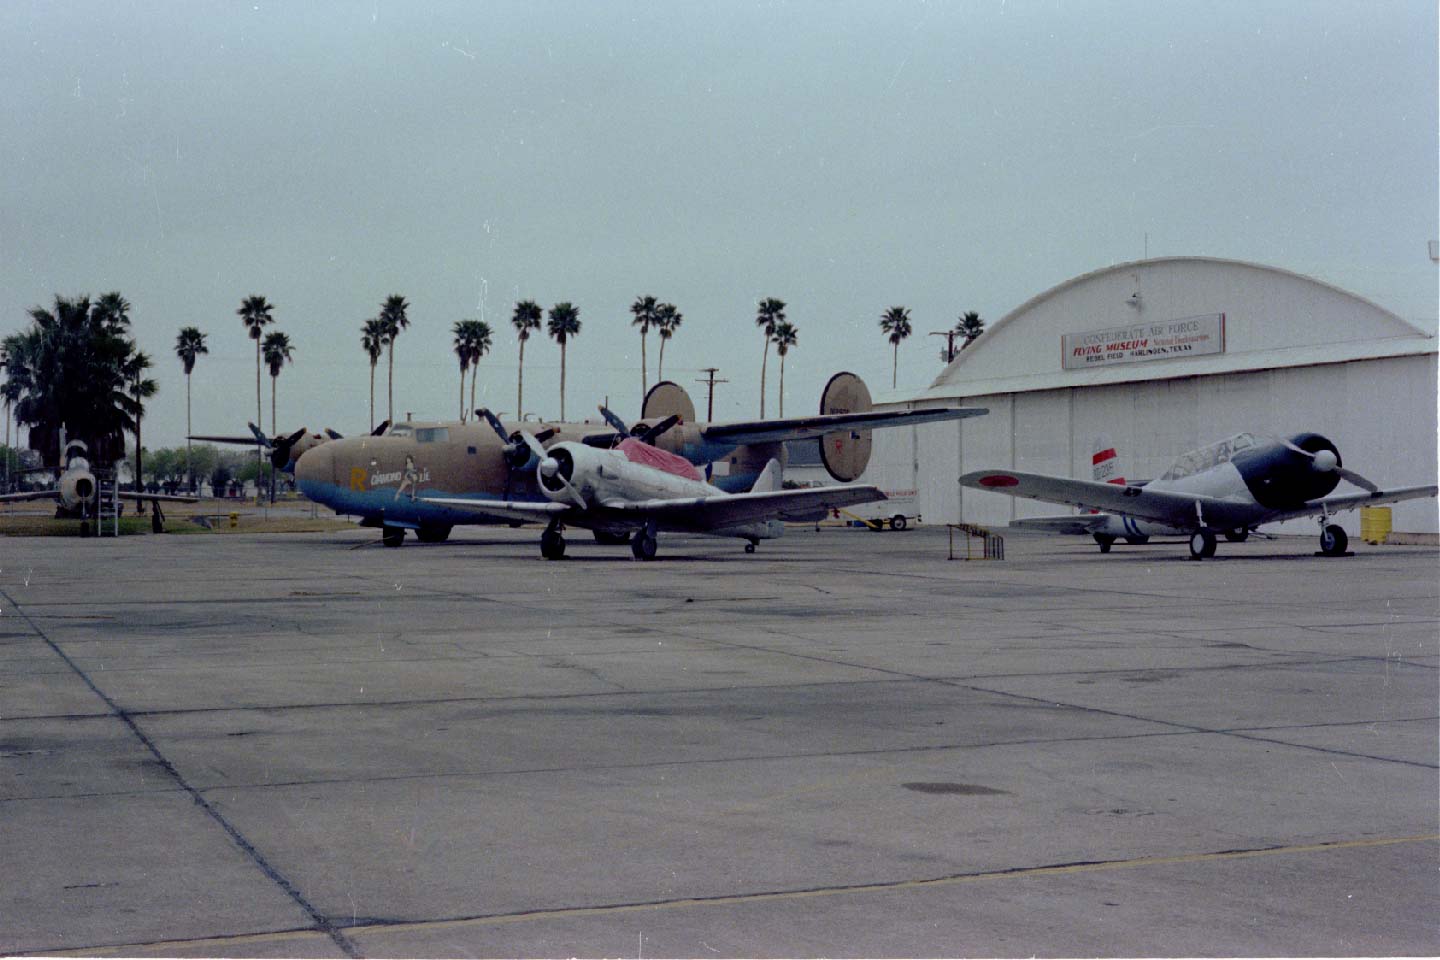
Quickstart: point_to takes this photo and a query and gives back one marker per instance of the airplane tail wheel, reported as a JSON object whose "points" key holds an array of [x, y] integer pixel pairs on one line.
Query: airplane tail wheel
{"points": [[1106, 542], [898, 522], [1333, 541], [1202, 544], [552, 545], [749, 548], [392, 536], [1237, 536], [643, 546]]}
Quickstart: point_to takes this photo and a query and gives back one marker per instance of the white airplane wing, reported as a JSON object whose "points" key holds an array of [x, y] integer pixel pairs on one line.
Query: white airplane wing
{"points": [[531, 510], [1350, 501], [804, 428], [161, 497], [1168, 507], [728, 510], [1073, 524], [30, 495]]}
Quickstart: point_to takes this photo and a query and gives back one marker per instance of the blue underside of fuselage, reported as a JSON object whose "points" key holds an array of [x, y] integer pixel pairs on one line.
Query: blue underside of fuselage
{"points": [[383, 505]]}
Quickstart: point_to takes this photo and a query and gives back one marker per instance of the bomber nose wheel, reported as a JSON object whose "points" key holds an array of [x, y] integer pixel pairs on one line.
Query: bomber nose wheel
{"points": [[1202, 544], [552, 545], [392, 536], [1106, 542], [750, 547], [1333, 541]]}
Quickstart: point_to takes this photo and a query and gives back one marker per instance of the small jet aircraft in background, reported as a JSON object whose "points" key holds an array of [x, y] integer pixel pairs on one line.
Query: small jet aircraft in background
{"points": [[486, 461], [634, 490], [1230, 487], [77, 494]]}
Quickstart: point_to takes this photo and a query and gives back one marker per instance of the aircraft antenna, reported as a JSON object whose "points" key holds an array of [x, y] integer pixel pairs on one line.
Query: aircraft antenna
{"points": [[710, 382]]}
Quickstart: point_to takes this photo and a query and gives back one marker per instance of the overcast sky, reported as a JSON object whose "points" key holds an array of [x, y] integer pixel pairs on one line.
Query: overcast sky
{"points": [[843, 157]]}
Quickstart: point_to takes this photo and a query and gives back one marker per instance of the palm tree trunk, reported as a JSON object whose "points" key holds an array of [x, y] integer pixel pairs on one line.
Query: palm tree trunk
{"points": [[259, 419], [372, 396], [474, 372], [782, 384], [644, 371], [189, 464], [764, 361], [562, 382], [390, 384], [660, 367], [274, 378], [520, 386], [895, 365], [462, 393]]}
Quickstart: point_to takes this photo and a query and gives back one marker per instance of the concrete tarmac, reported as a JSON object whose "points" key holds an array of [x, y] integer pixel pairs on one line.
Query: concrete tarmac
{"points": [[843, 745]]}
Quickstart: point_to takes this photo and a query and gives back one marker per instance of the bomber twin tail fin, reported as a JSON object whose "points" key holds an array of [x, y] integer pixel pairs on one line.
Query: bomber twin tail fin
{"points": [[770, 478]]}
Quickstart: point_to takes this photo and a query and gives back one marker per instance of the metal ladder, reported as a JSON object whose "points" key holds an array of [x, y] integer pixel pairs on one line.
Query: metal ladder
{"points": [[107, 490]]}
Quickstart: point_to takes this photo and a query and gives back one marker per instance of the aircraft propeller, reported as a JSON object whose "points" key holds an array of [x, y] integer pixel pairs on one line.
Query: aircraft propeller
{"points": [[556, 470], [1327, 461], [520, 446], [646, 435]]}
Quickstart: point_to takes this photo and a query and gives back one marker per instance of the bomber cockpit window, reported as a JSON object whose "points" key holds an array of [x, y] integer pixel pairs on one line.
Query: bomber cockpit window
{"points": [[432, 434], [399, 430]]}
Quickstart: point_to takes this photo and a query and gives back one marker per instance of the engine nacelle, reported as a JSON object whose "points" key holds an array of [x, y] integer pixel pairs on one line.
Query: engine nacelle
{"points": [[77, 484], [569, 470]]}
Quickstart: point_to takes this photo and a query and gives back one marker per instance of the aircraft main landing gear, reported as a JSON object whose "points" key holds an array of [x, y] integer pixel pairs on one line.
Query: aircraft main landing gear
{"points": [[643, 545], [1333, 541], [1105, 540], [392, 536], [750, 547], [1237, 536], [1202, 545], [552, 544]]}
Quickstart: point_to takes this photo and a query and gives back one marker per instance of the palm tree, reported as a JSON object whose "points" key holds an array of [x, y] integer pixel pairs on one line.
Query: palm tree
{"points": [[277, 353], [462, 351], [141, 388], [392, 314], [113, 312], [478, 340], [784, 338], [643, 310], [895, 322], [767, 315], [189, 345], [970, 326], [525, 319], [667, 321], [372, 341], [255, 314], [564, 324]]}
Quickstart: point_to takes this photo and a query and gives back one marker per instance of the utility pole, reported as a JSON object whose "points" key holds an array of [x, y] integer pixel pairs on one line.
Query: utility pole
{"points": [[710, 381], [949, 336]]}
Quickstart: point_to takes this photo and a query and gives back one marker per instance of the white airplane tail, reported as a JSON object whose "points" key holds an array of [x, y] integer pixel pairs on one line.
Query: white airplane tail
{"points": [[770, 478], [1106, 463]]}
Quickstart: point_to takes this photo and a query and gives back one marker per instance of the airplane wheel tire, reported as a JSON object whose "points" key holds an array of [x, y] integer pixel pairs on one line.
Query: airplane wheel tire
{"points": [[898, 522], [1105, 542], [1237, 536], [433, 534], [156, 524], [1202, 544], [552, 545], [749, 548], [1333, 541], [84, 528], [643, 546], [392, 536]]}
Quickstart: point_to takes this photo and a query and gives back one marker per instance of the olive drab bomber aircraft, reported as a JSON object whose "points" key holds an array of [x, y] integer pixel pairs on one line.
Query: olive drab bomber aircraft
{"points": [[393, 480], [1230, 487]]}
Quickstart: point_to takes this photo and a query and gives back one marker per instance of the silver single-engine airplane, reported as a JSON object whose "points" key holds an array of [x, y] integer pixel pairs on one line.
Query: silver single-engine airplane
{"points": [[635, 490], [76, 492], [1230, 487]]}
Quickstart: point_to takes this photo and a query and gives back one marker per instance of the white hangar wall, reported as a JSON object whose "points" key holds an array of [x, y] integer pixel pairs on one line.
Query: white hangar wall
{"points": [[1298, 355]]}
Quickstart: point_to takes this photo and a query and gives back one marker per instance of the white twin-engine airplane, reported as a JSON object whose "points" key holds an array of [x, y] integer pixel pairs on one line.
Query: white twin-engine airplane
{"points": [[1230, 487], [634, 490]]}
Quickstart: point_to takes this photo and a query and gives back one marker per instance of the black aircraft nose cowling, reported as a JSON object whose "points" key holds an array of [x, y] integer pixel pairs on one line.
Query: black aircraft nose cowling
{"points": [[1280, 478]]}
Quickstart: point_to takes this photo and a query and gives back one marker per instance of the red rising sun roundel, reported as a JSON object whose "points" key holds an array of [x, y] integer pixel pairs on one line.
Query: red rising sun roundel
{"points": [[999, 480]]}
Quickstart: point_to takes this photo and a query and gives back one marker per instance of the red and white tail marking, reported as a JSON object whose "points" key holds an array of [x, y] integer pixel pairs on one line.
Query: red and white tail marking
{"points": [[1105, 464]]}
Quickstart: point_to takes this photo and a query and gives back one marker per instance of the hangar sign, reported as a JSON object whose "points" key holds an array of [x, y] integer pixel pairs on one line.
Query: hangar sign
{"points": [[1166, 340]]}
